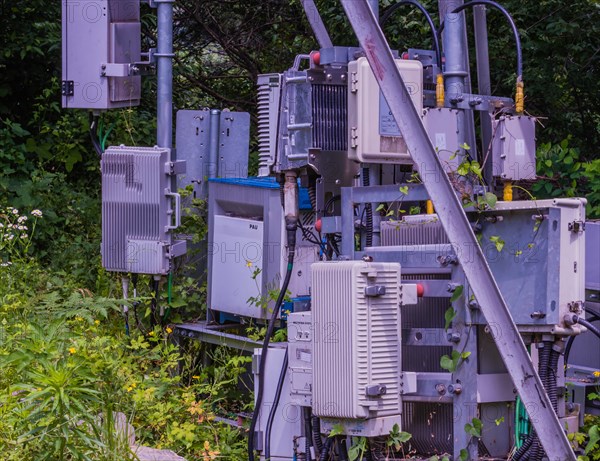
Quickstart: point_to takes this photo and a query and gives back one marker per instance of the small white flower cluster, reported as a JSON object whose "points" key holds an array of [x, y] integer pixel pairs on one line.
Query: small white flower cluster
{"points": [[13, 229]]}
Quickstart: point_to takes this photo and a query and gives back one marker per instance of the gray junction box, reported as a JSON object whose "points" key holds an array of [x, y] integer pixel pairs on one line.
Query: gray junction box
{"points": [[100, 40], [139, 211]]}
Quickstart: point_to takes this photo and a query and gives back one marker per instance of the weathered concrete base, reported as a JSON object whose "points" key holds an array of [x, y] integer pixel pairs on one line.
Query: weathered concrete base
{"points": [[151, 454], [143, 453]]}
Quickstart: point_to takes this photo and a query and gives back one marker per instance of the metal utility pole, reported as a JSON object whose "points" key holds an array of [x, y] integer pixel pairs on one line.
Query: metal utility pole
{"points": [[164, 56], [459, 231], [456, 50]]}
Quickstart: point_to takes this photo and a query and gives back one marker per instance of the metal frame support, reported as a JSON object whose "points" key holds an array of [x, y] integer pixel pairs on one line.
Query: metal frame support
{"points": [[316, 23], [164, 57], [459, 231]]}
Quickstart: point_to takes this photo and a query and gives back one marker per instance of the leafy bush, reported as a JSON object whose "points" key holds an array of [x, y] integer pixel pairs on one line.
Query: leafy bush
{"points": [[563, 173]]}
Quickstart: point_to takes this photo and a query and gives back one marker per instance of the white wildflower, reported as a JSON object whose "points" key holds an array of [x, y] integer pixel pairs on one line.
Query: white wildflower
{"points": [[23, 236], [36, 213], [15, 211], [10, 237], [22, 219], [10, 226]]}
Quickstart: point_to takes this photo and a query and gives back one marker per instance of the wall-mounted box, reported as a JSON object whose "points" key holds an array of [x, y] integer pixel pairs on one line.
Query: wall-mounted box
{"points": [[442, 126], [100, 39], [374, 134], [513, 147], [139, 211]]}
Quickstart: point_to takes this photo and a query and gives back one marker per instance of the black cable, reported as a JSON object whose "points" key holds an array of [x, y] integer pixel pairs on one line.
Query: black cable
{"points": [[331, 201], [594, 318], [520, 453], [291, 235], [343, 448], [589, 326], [94, 134], [274, 407], [326, 449], [312, 195], [308, 443], [154, 284], [529, 446], [510, 21], [436, 40], [368, 208], [316, 434]]}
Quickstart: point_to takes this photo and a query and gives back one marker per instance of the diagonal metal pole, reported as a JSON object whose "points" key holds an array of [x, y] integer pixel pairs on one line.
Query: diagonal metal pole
{"points": [[455, 223], [316, 23]]}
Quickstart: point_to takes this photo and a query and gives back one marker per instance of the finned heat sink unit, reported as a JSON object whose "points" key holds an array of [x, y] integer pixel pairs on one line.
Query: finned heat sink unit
{"points": [[313, 115], [139, 211], [413, 230], [357, 375]]}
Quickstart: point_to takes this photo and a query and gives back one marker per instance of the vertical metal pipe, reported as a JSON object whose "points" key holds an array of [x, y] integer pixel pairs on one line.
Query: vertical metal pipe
{"points": [[213, 147], [456, 72], [483, 81], [164, 55], [454, 45], [459, 35], [374, 170], [459, 231]]}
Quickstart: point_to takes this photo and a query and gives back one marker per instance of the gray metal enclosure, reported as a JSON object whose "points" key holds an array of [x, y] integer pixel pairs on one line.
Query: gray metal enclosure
{"points": [[101, 41], [139, 211]]}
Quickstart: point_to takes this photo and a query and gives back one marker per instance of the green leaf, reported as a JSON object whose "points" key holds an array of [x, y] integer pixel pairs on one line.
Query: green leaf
{"points": [[465, 146], [465, 355], [474, 428], [463, 169], [499, 421], [463, 455], [380, 207], [476, 168], [457, 293], [449, 315], [498, 242], [404, 190], [447, 363], [491, 199], [337, 429], [594, 435]]}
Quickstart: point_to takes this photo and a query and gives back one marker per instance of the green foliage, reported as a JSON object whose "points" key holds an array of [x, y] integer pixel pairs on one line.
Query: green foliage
{"points": [[449, 316], [474, 428], [396, 437], [498, 242], [358, 449], [68, 372], [451, 363], [564, 174], [456, 294]]}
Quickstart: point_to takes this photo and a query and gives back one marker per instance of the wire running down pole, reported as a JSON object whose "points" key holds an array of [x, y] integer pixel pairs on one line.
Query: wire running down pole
{"points": [[459, 231]]}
